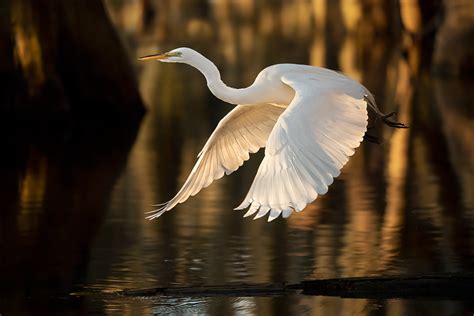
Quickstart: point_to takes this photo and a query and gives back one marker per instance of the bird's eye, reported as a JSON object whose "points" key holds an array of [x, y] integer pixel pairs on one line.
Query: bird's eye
{"points": [[174, 54]]}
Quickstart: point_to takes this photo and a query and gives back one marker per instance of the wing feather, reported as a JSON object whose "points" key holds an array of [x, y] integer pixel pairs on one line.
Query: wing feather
{"points": [[309, 144], [243, 130]]}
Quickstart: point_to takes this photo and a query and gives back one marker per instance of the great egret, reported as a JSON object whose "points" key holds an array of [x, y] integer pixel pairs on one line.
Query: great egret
{"points": [[310, 120]]}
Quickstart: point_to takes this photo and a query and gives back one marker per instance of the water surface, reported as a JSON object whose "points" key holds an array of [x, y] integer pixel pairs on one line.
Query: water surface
{"points": [[73, 231]]}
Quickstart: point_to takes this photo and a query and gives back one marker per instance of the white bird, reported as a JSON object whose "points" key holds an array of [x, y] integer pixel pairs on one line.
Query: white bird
{"points": [[309, 119]]}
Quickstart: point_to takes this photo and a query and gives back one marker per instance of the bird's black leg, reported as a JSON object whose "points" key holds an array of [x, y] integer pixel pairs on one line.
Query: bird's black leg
{"points": [[389, 115], [386, 118], [390, 122], [372, 139]]}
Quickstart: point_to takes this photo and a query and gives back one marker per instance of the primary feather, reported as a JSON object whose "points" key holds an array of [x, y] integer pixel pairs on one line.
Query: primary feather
{"points": [[243, 130], [310, 143]]}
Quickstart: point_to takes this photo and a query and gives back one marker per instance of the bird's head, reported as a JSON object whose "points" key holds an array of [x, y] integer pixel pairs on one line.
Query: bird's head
{"points": [[177, 55]]}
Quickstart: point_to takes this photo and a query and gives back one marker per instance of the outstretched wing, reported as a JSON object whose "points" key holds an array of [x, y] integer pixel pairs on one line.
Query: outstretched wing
{"points": [[310, 143], [243, 130]]}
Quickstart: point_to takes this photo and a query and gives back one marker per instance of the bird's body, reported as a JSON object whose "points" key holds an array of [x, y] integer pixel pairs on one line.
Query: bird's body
{"points": [[309, 119]]}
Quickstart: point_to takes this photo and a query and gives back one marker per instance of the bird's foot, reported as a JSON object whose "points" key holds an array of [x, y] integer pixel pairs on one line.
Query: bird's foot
{"points": [[373, 139], [390, 122], [393, 123]]}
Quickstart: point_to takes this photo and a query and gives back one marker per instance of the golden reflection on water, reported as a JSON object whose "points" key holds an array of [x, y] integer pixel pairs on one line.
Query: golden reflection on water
{"points": [[360, 227], [396, 172], [403, 207], [32, 193]]}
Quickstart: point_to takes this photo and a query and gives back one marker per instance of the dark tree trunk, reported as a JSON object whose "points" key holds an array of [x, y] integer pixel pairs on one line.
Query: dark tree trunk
{"points": [[63, 56], [453, 50]]}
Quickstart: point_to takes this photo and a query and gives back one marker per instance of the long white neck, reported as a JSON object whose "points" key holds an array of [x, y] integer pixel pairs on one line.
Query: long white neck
{"points": [[247, 95]]}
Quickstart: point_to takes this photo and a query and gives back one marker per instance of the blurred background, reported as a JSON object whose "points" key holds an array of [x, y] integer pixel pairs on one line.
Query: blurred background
{"points": [[81, 161]]}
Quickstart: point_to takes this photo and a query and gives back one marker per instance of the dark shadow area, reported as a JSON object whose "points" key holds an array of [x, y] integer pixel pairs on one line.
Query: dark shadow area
{"points": [[56, 184], [63, 58]]}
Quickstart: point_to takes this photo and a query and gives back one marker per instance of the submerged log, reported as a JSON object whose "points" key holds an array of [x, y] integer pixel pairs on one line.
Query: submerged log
{"points": [[440, 286], [449, 286], [217, 290]]}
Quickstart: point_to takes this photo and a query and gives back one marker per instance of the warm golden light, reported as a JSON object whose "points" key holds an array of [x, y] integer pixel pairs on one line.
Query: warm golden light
{"points": [[73, 206]]}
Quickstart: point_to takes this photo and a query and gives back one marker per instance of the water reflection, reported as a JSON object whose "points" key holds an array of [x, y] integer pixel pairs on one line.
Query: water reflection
{"points": [[50, 222], [402, 207], [370, 223]]}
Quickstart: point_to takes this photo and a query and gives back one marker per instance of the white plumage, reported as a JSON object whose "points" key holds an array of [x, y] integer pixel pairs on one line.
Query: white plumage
{"points": [[310, 120], [308, 146]]}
